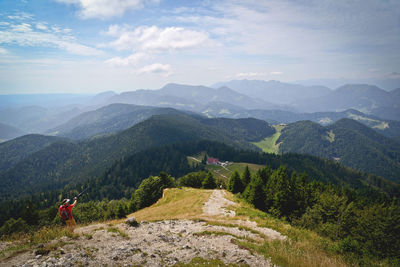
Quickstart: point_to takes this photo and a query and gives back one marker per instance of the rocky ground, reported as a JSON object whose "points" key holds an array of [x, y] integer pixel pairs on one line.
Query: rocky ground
{"points": [[162, 243]]}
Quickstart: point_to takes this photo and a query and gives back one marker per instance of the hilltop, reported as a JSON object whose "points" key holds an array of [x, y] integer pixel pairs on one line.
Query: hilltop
{"points": [[186, 226]]}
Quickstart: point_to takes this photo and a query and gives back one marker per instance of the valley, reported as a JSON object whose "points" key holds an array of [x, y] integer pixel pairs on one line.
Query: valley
{"points": [[157, 155]]}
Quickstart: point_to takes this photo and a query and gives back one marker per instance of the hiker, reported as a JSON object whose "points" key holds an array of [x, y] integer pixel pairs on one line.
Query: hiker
{"points": [[65, 212]]}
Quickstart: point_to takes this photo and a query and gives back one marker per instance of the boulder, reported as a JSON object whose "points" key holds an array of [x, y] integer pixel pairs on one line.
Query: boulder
{"points": [[132, 222]]}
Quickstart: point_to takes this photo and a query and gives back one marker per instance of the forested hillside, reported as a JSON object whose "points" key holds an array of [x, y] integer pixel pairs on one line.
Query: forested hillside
{"points": [[110, 119], [64, 162], [346, 141], [14, 151]]}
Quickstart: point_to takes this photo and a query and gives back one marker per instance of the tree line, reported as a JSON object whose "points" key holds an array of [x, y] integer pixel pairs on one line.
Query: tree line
{"points": [[361, 225]]}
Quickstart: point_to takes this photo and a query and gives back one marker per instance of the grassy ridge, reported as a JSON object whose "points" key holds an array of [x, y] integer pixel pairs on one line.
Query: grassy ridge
{"points": [[185, 203]]}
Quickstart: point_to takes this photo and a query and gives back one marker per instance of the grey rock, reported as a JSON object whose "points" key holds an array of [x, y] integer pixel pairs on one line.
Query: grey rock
{"points": [[38, 256], [132, 222], [241, 261]]}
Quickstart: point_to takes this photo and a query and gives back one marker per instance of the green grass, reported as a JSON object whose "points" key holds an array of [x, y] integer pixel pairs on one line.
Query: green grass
{"points": [[117, 231], [224, 174], [378, 124], [22, 242], [196, 159], [330, 136], [269, 145], [382, 126]]}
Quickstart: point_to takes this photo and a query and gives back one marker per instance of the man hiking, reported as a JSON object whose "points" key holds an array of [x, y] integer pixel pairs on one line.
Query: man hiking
{"points": [[65, 212]]}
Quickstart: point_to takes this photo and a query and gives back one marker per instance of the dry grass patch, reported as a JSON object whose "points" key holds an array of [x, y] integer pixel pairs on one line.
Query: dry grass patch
{"points": [[185, 203], [303, 247]]}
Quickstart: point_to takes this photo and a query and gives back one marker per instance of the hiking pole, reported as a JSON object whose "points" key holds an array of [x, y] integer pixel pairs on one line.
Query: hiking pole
{"points": [[82, 192]]}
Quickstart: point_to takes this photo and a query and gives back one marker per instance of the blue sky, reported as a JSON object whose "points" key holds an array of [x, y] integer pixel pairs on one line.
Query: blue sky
{"points": [[60, 46]]}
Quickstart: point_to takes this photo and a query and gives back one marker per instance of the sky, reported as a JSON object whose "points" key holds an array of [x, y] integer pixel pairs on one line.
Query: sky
{"points": [[89, 46]]}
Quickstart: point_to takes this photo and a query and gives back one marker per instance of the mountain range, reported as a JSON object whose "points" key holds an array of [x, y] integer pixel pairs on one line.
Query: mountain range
{"points": [[362, 97], [275, 91], [272, 101]]}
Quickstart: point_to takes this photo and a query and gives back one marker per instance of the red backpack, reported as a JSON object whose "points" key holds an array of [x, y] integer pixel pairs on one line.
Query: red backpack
{"points": [[64, 213]]}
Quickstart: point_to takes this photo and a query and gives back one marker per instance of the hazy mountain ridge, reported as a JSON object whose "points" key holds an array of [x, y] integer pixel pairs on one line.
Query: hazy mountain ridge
{"points": [[366, 98], [36, 119], [188, 97], [275, 91], [109, 119], [362, 97], [9, 132], [221, 102]]}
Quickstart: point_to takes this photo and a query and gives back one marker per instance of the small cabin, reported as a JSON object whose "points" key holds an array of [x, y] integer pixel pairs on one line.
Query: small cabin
{"points": [[213, 161]]}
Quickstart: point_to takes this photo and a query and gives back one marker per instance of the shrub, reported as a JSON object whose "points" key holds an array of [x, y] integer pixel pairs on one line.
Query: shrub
{"points": [[193, 179], [13, 226], [209, 182]]}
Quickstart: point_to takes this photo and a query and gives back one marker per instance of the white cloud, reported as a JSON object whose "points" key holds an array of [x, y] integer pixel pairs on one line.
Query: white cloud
{"points": [[156, 68], [105, 9], [20, 16], [148, 41], [23, 34], [41, 26], [155, 39], [23, 27], [131, 60], [3, 51]]}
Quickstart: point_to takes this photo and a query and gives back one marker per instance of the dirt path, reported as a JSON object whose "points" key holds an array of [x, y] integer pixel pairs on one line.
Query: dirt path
{"points": [[217, 204], [162, 243]]}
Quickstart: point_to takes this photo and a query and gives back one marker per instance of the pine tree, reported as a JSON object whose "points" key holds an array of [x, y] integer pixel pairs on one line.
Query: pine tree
{"points": [[205, 158], [246, 176], [121, 212], [30, 213], [209, 182], [278, 193], [264, 174], [235, 184], [255, 192]]}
